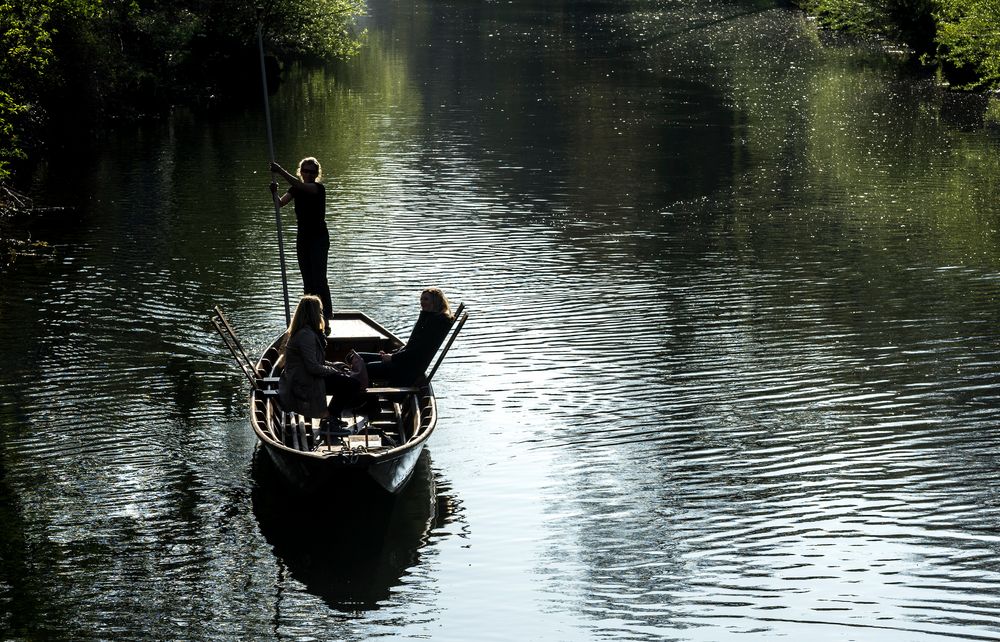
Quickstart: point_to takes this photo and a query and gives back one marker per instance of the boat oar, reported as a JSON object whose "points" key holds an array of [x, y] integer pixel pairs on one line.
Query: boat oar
{"points": [[270, 144], [229, 338]]}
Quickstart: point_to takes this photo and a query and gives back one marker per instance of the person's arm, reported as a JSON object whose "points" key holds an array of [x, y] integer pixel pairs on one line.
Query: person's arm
{"points": [[403, 351], [312, 356], [294, 183], [285, 174], [316, 366], [427, 335], [292, 180], [285, 198]]}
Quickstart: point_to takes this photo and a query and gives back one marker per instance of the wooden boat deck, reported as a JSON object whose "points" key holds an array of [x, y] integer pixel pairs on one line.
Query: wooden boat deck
{"points": [[373, 432]]}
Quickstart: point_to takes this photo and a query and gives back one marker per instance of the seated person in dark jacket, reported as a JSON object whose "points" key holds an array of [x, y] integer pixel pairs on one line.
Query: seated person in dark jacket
{"points": [[403, 366], [307, 378]]}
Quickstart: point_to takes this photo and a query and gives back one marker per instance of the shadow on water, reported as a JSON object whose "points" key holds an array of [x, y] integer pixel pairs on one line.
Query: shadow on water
{"points": [[352, 547], [13, 559]]}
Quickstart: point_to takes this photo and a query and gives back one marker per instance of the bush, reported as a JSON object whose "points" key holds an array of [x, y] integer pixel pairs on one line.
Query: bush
{"points": [[132, 58], [968, 36], [962, 37], [847, 15], [25, 54]]}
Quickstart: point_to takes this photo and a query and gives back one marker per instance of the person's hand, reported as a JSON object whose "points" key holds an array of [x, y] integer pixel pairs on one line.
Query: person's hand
{"points": [[275, 167], [274, 187], [386, 358]]}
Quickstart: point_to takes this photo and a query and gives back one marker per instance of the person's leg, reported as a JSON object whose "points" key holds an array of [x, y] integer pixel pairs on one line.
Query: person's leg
{"points": [[302, 254], [319, 261], [344, 393], [312, 263], [310, 269], [378, 370]]}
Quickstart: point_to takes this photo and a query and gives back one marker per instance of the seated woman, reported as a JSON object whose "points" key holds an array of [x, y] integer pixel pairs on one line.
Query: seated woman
{"points": [[308, 378], [402, 367]]}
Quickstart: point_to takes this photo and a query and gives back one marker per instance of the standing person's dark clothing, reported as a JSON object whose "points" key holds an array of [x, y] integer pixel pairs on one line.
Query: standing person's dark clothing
{"points": [[312, 240], [312, 243]]}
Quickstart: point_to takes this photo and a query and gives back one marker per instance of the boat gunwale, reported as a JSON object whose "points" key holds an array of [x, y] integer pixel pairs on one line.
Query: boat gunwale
{"points": [[356, 458], [391, 453]]}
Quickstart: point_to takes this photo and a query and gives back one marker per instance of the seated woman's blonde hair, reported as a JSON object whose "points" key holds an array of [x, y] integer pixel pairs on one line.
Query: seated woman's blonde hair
{"points": [[439, 302], [308, 314]]}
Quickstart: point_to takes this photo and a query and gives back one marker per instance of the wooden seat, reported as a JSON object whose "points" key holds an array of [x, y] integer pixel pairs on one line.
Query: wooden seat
{"points": [[457, 324], [392, 390]]}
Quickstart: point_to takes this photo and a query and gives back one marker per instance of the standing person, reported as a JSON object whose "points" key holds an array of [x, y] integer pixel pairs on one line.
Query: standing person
{"points": [[403, 366], [307, 377], [312, 239]]}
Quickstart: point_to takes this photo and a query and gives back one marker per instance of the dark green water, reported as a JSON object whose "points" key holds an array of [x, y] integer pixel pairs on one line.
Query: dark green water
{"points": [[732, 369]]}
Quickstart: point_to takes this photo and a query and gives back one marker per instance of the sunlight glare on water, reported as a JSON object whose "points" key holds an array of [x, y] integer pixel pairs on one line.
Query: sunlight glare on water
{"points": [[731, 368]]}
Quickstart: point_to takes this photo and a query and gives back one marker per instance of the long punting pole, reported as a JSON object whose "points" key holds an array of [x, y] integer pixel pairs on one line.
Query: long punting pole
{"points": [[270, 144]]}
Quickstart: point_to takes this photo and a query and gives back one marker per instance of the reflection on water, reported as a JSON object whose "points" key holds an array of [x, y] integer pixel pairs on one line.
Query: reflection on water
{"points": [[350, 546], [732, 366]]}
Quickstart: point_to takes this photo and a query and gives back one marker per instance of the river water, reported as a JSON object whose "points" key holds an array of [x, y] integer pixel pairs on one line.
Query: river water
{"points": [[732, 367]]}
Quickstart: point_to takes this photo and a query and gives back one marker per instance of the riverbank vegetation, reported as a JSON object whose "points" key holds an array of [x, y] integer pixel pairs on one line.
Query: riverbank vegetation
{"points": [[86, 62], [67, 67], [960, 39]]}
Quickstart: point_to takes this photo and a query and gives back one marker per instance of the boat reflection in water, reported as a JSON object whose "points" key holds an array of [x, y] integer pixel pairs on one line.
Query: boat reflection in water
{"points": [[351, 545]]}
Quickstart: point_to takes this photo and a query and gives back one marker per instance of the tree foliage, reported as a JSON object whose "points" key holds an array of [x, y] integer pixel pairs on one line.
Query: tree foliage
{"points": [[25, 53], [325, 30], [846, 15], [968, 34], [128, 58], [962, 37]]}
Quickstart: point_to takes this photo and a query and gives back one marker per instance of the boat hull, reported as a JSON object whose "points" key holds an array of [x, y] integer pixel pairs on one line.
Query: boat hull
{"points": [[312, 475], [396, 424]]}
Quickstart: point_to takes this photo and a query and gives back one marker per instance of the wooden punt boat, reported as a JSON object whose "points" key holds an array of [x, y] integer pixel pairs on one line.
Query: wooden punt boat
{"points": [[389, 430]]}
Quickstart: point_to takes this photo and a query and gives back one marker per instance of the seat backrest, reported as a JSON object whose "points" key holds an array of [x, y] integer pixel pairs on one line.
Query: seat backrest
{"points": [[456, 327]]}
